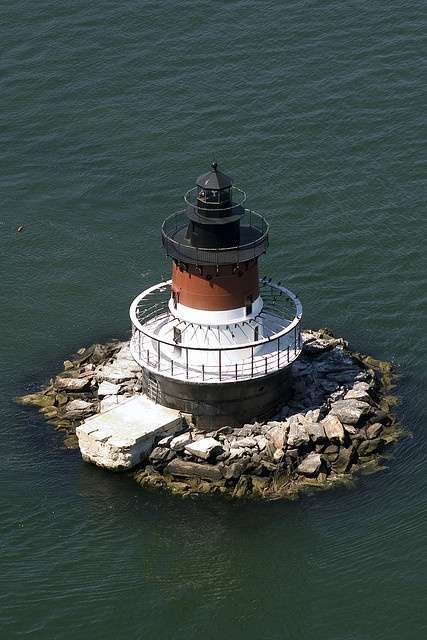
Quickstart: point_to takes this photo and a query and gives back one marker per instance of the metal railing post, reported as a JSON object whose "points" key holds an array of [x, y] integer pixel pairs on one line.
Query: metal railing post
{"points": [[236, 370], [278, 352], [265, 360], [252, 362], [186, 362], [219, 362], [158, 355], [203, 371]]}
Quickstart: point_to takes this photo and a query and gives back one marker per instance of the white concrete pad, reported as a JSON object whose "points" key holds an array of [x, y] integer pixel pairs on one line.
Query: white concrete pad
{"points": [[122, 437]]}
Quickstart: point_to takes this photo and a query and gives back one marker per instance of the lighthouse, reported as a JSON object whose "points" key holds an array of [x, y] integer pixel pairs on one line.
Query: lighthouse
{"points": [[216, 340]]}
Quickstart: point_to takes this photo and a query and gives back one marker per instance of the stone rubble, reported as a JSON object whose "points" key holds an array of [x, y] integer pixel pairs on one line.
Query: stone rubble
{"points": [[339, 419]]}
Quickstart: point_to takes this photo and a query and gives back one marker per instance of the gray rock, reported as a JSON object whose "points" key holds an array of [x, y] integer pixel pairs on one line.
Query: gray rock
{"points": [[278, 455], [344, 460], [374, 430], [178, 443], [337, 395], [316, 431], [262, 442], [277, 435], [297, 435], [331, 452], [333, 428], [256, 458], [352, 431], [363, 386], [357, 394], [71, 384], [313, 347], [234, 470], [221, 457], [119, 371], [313, 415], [161, 454], [369, 447], [269, 466], [246, 442], [236, 452], [248, 430], [204, 448], [349, 411], [108, 389], [310, 465], [79, 405], [187, 469]]}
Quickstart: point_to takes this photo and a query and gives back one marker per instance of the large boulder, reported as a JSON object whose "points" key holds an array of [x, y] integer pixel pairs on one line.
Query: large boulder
{"points": [[368, 447], [79, 409], [188, 469], [178, 443], [108, 389], [334, 430], [357, 394], [277, 435], [316, 431], [349, 411], [374, 430], [71, 384], [262, 442], [331, 452], [204, 448], [161, 454], [234, 470], [310, 466], [344, 460], [246, 441], [297, 434]]}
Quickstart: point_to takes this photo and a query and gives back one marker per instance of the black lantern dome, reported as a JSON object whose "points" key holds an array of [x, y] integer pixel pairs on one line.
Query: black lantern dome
{"points": [[214, 179]]}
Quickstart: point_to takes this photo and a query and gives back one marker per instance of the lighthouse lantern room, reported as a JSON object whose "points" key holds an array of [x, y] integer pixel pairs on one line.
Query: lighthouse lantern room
{"points": [[215, 340]]}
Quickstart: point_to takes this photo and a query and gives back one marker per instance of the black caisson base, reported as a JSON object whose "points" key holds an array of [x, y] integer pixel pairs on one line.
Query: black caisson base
{"points": [[222, 404]]}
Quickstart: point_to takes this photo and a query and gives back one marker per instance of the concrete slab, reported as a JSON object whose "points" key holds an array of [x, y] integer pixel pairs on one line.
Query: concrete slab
{"points": [[121, 437]]}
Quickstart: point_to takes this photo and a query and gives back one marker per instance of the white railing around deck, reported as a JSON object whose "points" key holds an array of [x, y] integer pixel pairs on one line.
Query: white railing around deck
{"points": [[215, 364]]}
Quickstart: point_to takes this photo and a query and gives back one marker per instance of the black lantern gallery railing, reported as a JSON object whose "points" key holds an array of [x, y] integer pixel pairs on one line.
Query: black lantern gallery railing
{"points": [[280, 345], [253, 233]]}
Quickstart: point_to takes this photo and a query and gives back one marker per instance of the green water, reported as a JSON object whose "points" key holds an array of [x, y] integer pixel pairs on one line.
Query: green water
{"points": [[109, 110]]}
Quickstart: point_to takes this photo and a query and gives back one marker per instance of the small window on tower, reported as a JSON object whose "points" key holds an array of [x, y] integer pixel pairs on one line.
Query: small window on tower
{"points": [[256, 334], [248, 305], [177, 335]]}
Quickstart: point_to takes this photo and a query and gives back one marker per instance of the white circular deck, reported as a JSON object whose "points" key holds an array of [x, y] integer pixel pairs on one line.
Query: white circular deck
{"points": [[232, 352]]}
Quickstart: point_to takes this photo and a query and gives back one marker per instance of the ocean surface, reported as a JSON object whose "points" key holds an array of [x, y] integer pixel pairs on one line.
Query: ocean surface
{"points": [[109, 112]]}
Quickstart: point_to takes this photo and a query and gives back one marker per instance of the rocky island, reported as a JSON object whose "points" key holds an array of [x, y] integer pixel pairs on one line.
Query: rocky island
{"points": [[337, 422]]}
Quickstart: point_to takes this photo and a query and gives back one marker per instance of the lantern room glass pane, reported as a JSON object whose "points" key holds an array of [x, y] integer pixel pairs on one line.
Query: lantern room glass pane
{"points": [[225, 195]]}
